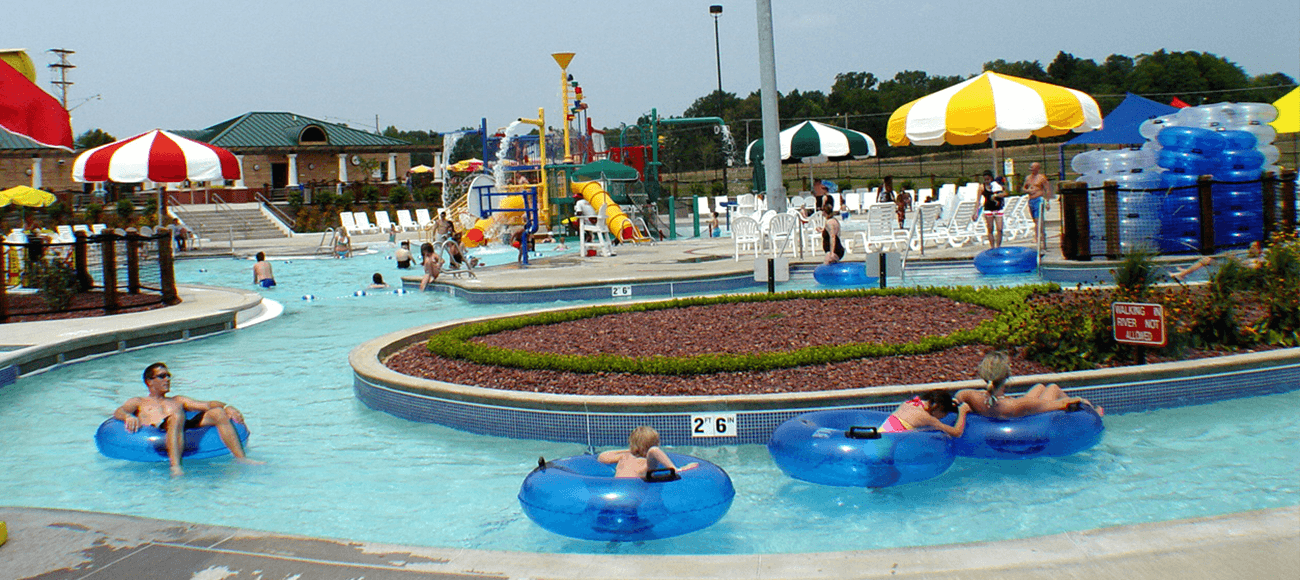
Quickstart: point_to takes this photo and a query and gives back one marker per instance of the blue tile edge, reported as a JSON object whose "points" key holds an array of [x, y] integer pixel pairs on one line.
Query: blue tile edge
{"points": [[605, 428]]}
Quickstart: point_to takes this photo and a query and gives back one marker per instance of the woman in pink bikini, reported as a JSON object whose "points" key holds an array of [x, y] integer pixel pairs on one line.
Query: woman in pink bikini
{"points": [[926, 410]]}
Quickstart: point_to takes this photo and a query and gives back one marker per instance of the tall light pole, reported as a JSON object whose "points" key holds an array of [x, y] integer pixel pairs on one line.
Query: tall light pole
{"points": [[716, 10]]}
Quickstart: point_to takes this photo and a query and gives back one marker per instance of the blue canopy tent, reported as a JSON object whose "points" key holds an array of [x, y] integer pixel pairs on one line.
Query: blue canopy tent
{"points": [[1120, 127]]}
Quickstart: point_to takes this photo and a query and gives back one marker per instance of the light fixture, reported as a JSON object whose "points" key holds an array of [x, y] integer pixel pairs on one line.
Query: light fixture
{"points": [[256, 166], [29, 171]]}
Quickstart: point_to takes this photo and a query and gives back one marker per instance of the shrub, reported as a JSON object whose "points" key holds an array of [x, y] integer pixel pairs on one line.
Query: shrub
{"points": [[370, 193], [125, 208], [1279, 277], [718, 188], [697, 189], [324, 197], [295, 199], [399, 195], [57, 283], [1136, 272], [844, 184], [92, 213]]}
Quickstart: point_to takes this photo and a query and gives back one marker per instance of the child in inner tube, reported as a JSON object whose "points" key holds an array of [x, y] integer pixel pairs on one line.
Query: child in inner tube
{"points": [[926, 410], [642, 456], [995, 369]]}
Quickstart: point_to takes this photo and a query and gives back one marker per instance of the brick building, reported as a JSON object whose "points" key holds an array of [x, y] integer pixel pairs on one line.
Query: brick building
{"points": [[275, 151]]}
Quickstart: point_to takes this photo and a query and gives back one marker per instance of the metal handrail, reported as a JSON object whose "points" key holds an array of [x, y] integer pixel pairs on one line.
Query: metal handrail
{"points": [[332, 234], [222, 203], [275, 210]]}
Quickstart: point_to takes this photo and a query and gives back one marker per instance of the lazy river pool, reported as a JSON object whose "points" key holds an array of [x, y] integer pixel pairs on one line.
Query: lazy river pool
{"points": [[336, 468]]}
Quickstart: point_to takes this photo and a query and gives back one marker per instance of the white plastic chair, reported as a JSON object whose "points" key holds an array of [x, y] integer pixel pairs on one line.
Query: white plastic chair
{"points": [[853, 202], [812, 230], [882, 228], [782, 230], [746, 204], [745, 233]]}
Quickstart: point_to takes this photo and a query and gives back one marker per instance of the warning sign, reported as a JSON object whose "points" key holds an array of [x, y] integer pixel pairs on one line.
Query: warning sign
{"points": [[1139, 324]]}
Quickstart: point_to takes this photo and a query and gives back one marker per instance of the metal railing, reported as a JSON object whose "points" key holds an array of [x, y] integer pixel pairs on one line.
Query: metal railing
{"points": [[52, 277]]}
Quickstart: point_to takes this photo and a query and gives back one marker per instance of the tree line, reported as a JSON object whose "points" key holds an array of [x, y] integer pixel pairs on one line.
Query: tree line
{"points": [[863, 102]]}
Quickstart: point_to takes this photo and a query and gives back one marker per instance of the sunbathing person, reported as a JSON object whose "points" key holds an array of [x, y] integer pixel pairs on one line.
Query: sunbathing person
{"points": [[168, 414], [642, 455], [926, 410], [992, 402]]}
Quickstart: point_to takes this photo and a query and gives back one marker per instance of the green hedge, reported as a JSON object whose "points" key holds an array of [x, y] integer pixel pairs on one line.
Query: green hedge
{"points": [[455, 343]]}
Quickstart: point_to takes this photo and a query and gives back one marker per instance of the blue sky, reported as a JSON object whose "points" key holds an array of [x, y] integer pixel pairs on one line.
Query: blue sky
{"points": [[439, 65]]}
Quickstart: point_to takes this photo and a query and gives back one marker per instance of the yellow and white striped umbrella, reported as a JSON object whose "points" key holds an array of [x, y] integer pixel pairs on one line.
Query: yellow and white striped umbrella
{"points": [[993, 105]]}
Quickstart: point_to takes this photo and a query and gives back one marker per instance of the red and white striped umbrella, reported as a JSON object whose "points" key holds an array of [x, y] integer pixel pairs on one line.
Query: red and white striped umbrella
{"points": [[156, 156]]}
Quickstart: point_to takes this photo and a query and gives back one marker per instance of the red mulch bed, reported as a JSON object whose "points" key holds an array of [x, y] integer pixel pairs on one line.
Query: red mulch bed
{"points": [[742, 328], [732, 328], [32, 307]]}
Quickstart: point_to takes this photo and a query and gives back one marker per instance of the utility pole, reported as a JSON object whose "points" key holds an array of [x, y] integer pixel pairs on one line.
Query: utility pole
{"points": [[716, 10], [62, 71]]}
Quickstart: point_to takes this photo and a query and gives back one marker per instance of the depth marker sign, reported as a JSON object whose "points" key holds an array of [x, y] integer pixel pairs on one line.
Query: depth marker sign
{"points": [[1139, 324]]}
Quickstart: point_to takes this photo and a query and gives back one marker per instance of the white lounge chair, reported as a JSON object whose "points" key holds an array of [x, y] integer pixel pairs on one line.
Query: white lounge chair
{"points": [[744, 234], [64, 234], [98, 229], [927, 228], [348, 221], [1016, 221], [964, 226], [363, 223], [382, 222], [404, 221], [422, 218]]}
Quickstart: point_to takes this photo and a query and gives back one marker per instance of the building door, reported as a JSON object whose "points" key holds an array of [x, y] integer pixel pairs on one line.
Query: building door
{"points": [[279, 175]]}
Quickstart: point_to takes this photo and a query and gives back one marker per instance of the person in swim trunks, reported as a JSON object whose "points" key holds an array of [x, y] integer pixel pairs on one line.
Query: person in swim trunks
{"points": [[403, 256], [992, 401], [831, 242], [926, 410], [1039, 188], [168, 414], [262, 275]]}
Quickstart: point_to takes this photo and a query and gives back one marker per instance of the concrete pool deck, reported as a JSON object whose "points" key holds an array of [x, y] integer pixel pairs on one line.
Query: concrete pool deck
{"points": [[59, 544]]}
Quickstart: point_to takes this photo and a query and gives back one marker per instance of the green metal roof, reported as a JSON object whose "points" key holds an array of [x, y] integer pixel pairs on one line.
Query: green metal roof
{"points": [[281, 130], [10, 141]]}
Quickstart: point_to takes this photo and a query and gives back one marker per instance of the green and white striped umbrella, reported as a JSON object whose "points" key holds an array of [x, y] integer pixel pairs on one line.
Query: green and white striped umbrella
{"points": [[813, 142]]}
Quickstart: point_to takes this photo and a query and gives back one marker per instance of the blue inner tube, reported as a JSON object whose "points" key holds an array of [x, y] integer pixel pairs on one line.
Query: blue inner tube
{"points": [[1006, 260], [833, 448], [149, 443], [1052, 434], [843, 274], [579, 497]]}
